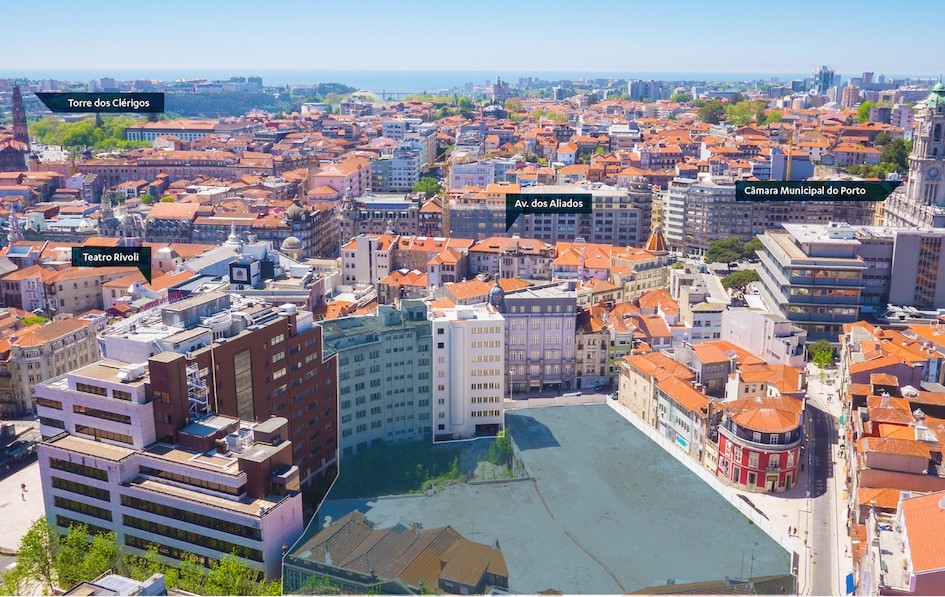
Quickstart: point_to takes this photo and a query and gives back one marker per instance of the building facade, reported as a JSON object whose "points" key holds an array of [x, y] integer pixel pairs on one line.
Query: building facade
{"points": [[469, 378], [384, 375]]}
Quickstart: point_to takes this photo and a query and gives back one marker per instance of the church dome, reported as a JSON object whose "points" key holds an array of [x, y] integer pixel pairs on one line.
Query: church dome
{"points": [[295, 212], [496, 296], [291, 243], [937, 97]]}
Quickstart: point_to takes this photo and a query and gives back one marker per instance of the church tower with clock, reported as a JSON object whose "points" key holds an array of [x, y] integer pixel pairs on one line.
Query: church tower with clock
{"points": [[922, 202]]}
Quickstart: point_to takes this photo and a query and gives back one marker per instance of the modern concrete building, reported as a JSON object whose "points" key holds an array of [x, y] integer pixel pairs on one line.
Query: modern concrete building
{"points": [[820, 277], [384, 371], [620, 217], [698, 212], [469, 371], [251, 359], [813, 276], [228, 487], [540, 337]]}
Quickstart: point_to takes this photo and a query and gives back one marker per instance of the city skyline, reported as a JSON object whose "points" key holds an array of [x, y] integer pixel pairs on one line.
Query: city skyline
{"points": [[531, 37]]}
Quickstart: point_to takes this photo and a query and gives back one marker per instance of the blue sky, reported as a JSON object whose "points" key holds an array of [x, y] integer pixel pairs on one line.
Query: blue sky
{"points": [[583, 35]]}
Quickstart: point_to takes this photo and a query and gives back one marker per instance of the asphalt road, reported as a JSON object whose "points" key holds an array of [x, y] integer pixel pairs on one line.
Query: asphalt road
{"points": [[821, 438]]}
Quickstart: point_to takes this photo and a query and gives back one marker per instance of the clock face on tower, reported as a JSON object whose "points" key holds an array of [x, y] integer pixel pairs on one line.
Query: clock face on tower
{"points": [[933, 173]]}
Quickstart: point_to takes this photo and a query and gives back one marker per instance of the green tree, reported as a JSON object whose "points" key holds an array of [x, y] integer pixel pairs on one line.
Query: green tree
{"points": [[428, 185], [514, 104], [678, 265], [168, 199], [34, 320], [821, 349], [712, 112], [36, 554], [680, 98], [863, 112], [896, 153], [725, 250], [70, 556], [102, 554], [882, 139], [738, 114], [823, 360], [230, 576], [318, 585], [698, 103], [15, 581], [736, 98], [739, 281], [774, 116], [749, 248], [146, 198]]}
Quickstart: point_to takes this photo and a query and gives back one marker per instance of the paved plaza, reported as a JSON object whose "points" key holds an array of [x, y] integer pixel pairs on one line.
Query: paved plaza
{"points": [[17, 514]]}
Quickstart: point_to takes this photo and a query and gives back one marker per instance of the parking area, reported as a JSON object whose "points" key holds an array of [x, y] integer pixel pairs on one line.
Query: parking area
{"points": [[606, 511]]}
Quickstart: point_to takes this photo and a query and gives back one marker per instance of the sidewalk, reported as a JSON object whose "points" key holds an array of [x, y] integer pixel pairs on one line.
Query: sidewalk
{"points": [[554, 400]]}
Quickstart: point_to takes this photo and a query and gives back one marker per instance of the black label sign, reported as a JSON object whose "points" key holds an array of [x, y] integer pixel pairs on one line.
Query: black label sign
{"points": [[551, 203], [110, 103], [830, 190], [136, 257]]}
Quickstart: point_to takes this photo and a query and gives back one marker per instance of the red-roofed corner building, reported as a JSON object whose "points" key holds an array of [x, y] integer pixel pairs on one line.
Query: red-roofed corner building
{"points": [[759, 443]]}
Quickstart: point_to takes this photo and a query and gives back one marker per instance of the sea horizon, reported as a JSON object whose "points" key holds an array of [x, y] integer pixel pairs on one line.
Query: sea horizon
{"points": [[403, 80]]}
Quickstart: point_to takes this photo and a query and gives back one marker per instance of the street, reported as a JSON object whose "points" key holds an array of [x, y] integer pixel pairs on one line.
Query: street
{"points": [[821, 531], [538, 401]]}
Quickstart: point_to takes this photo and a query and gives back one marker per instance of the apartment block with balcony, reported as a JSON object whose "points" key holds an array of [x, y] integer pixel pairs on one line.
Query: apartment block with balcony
{"points": [[813, 276], [540, 337], [39, 353]]}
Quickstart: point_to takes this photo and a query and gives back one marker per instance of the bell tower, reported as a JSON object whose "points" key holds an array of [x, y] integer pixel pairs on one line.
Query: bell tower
{"points": [[927, 160], [20, 131], [923, 201]]}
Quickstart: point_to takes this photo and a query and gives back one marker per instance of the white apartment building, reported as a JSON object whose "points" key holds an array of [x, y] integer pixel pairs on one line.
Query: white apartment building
{"points": [[468, 372], [367, 258], [106, 400], [227, 486]]}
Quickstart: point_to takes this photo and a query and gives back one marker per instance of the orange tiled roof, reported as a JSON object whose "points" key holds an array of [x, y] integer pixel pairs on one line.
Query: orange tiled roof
{"points": [[687, 396], [892, 445], [925, 520], [765, 414]]}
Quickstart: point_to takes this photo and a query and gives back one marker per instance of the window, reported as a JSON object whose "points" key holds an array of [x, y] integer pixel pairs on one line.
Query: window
{"points": [[78, 469], [82, 508], [188, 516], [81, 488], [101, 414], [49, 403], [103, 434]]}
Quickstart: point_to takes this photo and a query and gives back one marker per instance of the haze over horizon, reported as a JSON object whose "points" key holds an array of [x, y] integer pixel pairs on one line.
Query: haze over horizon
{"points": [[557, 36]]}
